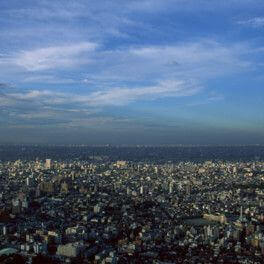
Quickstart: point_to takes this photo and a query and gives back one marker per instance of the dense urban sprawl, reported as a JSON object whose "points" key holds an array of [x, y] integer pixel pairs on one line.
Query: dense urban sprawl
{"points": [[131, 212]]}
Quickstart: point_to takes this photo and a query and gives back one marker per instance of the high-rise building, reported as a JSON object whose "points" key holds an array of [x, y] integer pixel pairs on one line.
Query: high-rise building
{"points": [[28, 181], [64, 187], [171, 187], [121, 163], [97, 209], [188, 188], [4, 230], [48, 164], [16, 206]]}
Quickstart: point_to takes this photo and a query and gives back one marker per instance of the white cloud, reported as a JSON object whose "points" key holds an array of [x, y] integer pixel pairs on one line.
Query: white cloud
{"points": [[120, 96], [193, 53], [256, 22], [34, 94], [191, 5], [55, 57], [115, 96], [199, 60]]}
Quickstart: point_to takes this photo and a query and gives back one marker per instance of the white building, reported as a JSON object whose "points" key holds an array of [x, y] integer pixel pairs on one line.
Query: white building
{"points": [[48, 164], [71, 250]]}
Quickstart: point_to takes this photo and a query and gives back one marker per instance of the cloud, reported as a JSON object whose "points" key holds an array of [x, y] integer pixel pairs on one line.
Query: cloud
{"points": [[115, 96], [191, 5], [193, 53], [199, 60], [256, 22], [213, 97], [120, 96], [66, 20], [5, 85], [48, 79], [31, 95], [117, 77], [46, 106], [65, 56]]}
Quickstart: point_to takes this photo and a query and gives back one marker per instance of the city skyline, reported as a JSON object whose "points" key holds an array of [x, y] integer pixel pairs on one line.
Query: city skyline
{"points": [[131, 72]]}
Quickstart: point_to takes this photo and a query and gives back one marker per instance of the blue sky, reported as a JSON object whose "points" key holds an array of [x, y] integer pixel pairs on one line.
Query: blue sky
{"points": [[132, 72]]}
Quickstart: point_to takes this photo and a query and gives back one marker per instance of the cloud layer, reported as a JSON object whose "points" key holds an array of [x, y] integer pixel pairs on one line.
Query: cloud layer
{"points": [[70, 63], [116, 77]]}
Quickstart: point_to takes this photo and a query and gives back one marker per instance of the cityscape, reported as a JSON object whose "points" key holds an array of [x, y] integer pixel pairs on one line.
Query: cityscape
{"points": [[104, 210], [131, 131]]}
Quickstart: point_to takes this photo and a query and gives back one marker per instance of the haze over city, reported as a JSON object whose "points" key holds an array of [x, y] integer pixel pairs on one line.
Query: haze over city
{"points": [[132, 72]]}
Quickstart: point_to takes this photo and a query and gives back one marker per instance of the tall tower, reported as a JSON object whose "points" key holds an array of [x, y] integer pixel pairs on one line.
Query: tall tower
{"points": [[28, 181], [171, 187], [241, 214]]}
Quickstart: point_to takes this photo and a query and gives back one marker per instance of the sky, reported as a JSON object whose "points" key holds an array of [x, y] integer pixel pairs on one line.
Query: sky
{"points": [[132, 71]]}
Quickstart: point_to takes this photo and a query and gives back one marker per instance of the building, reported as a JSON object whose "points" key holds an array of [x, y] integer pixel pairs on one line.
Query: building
{"points": [[48, 164], [70, 250], [64, 187], [47, 187]]}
